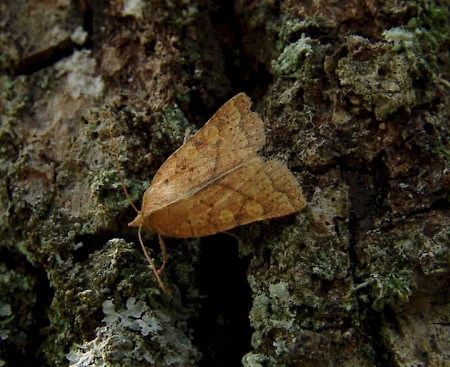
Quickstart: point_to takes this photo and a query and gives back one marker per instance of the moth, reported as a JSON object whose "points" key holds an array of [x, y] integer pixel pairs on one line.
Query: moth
{"points": [[216, 181]]}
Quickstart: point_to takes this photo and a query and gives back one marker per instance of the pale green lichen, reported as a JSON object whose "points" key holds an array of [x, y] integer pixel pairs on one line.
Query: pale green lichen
{"points": [[279, 291], [106, 187], [280, 345], [79, 36], [174, 122], [135, 335], [7, 87], [399, 37], [292, 56], [388, 289], [133, 8], [435, 253], [330, 263], [5, 312], [273, 308], [256, 360], [171, 131]]}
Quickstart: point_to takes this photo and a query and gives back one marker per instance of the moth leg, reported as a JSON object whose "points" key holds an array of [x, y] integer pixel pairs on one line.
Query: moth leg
{"points": [[163, 252], [152, 264]]}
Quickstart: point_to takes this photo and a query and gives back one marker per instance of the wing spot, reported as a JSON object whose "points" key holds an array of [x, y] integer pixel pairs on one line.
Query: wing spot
{"points": [[253, 209], [211, 135], [226, 216]]}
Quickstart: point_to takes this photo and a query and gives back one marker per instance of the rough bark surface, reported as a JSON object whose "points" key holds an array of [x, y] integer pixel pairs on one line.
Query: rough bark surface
{"points": [[355, 99]]}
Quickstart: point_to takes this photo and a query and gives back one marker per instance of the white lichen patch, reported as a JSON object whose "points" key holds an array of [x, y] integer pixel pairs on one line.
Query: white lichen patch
{"points": [[133, 8], [399, 37], [81, 78], [134, 335], [79, 36], [290, 58]]}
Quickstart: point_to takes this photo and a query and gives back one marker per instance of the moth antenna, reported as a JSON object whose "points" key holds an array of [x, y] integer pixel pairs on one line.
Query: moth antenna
{"points": [[152, 263], [157, 272], [119, 172]]}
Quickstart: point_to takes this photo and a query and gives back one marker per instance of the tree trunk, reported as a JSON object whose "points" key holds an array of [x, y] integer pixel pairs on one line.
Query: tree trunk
{"points": [[355, 100]]}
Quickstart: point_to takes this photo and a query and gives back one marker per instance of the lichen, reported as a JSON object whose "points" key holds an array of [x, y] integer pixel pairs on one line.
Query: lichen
{"points": [[257, 360], [106, 190], [330, 264], [79, 36], [18, 300], [133, 8], [273, 308], [82, 79], [5, 312], [435, 253], [135, 335], [382, 84], [173, 127], [400, 38], [293, 54], [393, 288]]}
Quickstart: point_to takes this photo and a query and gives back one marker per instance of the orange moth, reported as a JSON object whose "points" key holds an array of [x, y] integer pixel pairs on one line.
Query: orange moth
{"points": [[216, 181]]}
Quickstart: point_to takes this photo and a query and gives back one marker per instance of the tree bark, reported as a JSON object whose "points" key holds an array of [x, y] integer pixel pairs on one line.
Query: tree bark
{"points": [[355, 99]]}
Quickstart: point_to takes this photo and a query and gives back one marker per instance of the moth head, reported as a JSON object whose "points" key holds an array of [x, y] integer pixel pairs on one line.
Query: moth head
{"points": [[138, 221]]}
